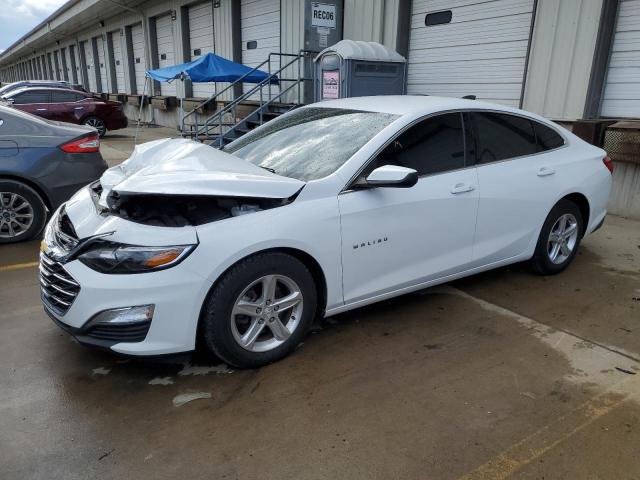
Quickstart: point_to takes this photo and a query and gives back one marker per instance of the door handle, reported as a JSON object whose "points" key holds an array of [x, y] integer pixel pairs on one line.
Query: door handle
{"points": [[41, 109], [462, 188], [545, 171], [78, 108]]}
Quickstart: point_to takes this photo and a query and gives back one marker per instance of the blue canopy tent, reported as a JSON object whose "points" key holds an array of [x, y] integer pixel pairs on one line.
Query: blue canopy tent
{"points": [[208, 68]]}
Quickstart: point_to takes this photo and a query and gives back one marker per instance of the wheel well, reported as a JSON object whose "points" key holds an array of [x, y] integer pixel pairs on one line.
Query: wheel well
{"points": [[316, 271], [31, 184], [583, 204], [305, 258]]}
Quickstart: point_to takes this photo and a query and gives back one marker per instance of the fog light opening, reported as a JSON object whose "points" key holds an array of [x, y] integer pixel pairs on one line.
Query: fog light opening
{"points": [[123, 316]]}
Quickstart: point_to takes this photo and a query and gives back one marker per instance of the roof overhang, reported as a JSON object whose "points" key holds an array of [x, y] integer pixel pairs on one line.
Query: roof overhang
{"points": [[67, 20]]}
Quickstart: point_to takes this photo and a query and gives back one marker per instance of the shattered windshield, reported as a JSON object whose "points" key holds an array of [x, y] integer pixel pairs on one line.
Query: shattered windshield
{"points": [[309, 143]]}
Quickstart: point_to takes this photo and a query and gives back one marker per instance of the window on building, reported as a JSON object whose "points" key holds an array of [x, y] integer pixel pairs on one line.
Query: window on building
{"points": [[438, 18], [432, 146], [501, 136]]}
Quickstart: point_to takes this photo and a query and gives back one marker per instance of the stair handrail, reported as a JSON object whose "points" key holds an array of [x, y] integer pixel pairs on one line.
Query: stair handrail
{"points": [[211, 98], [219, 140], [258, 86], [231, 107]]}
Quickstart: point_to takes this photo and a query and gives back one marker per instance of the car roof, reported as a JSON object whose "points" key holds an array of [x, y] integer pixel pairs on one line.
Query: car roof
{"points": [[410, 104]]}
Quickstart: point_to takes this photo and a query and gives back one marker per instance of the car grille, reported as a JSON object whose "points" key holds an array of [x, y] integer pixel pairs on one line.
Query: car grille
{"points": [[58, 288], [120, 333]]}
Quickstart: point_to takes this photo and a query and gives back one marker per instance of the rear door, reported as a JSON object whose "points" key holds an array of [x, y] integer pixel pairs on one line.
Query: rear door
{"points": [[35, 101], [394, 238], [66, 107], [519, 171]]}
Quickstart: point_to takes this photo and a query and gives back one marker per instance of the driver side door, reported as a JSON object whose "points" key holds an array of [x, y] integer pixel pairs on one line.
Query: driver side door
{"points": [[397, 238]]}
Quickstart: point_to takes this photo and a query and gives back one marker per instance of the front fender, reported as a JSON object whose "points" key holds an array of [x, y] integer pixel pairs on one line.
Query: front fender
{"points": [[312, 227]]}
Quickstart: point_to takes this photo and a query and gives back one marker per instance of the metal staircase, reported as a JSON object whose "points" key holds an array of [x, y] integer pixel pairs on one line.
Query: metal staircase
{"points": [[271, 98]]}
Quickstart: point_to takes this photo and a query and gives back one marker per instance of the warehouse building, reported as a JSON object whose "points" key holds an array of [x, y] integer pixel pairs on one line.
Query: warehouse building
{"points": [[569, 60]]}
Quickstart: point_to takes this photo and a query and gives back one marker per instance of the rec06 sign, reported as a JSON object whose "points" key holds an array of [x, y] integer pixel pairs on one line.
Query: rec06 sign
{"points": [[323, 15]]}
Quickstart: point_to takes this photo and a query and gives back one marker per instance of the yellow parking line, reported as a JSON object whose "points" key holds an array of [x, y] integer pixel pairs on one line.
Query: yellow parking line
{"points": [[17, 266]]}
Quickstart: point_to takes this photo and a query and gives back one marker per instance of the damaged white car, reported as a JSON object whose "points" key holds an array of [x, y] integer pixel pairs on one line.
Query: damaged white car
{"points": [[327, 208]]}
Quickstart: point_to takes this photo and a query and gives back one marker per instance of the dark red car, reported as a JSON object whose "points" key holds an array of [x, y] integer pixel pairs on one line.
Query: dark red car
{"points": [[71, 106]]}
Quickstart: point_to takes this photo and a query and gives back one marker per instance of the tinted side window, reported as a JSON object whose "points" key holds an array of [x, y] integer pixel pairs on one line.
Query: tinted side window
{"points": [[432, 146], [548, 138], [60, 97], [36, 96], [500, 136]]}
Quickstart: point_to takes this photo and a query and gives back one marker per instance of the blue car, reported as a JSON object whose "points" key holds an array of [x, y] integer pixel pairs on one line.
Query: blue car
{"points": [[42, 163]]}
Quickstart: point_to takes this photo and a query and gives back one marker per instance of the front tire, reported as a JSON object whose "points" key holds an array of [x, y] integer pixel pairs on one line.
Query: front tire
{"points": [[22, 212], [259, 310], [559, 239], [98, 124]]}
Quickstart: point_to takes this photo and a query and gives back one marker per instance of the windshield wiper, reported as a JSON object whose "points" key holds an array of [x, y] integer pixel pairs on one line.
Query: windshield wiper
{"points": [[268, 169]]}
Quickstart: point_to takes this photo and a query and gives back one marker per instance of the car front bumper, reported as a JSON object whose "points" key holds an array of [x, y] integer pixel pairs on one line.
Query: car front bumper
{"points": [[177, 295]]}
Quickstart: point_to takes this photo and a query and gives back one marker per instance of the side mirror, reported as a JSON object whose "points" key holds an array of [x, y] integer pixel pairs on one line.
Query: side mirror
{"points": [[392, 176]]}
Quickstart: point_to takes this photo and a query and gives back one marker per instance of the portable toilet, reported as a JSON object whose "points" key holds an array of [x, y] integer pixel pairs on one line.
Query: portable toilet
{"points": [[352, 68]]}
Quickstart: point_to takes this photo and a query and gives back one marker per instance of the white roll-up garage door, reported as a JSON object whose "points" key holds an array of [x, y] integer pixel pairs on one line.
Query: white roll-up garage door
{"points": [[137, 40], [201, 41], [166, 56], [91, 69], [72, 64], [118, 60], [479, 49], [65, 63], [102, 63], [76, 52], [260, 32], [621, 96]]}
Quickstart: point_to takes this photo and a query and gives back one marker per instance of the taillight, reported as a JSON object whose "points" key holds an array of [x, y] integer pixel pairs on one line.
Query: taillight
{"points": [[88, 144], [608, 163]]}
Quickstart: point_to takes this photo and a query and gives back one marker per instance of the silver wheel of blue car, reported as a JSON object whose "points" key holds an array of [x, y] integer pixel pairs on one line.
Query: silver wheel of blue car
{"points": [[98, 124], [22, 212], [16, 215]]}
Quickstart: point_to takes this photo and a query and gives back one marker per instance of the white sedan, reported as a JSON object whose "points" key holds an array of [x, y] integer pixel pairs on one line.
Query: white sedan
{"points": [[327, 208]]}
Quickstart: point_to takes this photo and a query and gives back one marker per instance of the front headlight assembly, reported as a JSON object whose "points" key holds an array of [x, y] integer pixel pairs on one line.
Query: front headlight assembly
{"points": [[116, 258]]}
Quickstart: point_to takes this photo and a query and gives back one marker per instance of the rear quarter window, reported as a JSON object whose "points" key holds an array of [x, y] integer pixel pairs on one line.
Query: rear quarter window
{"points": [[547, 137], [502, 136]]}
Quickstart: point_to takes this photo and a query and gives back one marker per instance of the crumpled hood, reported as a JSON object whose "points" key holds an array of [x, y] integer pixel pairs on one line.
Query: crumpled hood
{"points": [[183, 167]]}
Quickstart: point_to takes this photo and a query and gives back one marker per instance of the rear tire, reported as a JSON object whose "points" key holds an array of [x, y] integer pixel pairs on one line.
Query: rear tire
{"points": [[22, 212], [244, 324], [559, 239], [98, 124]]}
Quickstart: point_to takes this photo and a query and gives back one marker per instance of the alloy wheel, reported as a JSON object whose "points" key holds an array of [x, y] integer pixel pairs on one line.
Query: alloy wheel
{"points": [[16, 215], [266, 313], [562, 238], [97, 124]]}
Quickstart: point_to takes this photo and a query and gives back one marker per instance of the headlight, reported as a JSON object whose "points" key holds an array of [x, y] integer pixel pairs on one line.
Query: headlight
{"points": [[109, 257]]}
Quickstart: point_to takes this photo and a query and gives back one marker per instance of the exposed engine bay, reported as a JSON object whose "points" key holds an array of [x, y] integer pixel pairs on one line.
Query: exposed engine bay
{"points": [[179, 182], [181, 210]]}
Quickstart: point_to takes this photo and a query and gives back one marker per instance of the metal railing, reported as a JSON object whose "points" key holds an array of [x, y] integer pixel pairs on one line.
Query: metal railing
{"points": [[218, 124]]}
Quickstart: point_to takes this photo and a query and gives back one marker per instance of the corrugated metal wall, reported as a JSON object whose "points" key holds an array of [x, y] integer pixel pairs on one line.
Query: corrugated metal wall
{"points": [[222, 32], [371, 21], [561, 56], [292, 38]]}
